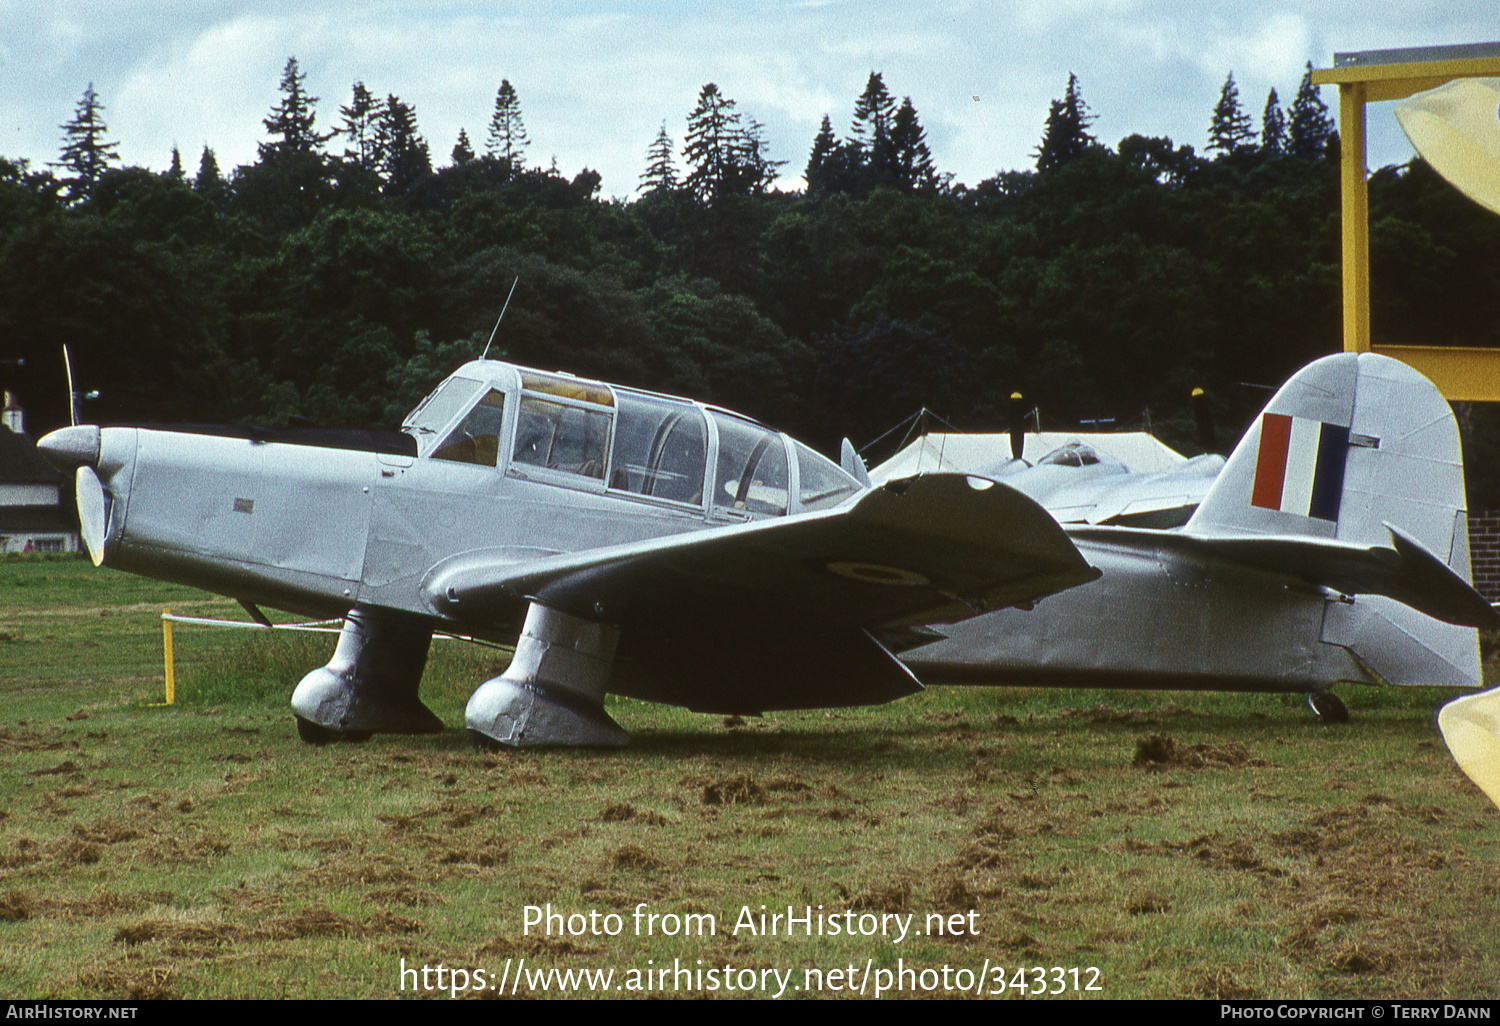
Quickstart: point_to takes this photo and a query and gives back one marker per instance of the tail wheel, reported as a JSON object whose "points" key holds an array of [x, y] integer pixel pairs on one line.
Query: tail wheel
{"points": [[1327, 707]]}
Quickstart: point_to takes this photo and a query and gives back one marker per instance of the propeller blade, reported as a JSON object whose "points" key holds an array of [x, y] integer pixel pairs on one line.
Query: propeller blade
{"points": [[93, 512], [72, 395], [1017, 425], [1205, 418]]}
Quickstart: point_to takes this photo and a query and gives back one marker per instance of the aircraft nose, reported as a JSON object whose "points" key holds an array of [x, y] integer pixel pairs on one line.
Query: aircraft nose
{"points": [[70, 447]]}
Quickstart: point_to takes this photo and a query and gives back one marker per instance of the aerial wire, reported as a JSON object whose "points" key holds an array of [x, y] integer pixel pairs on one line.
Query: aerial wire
{"points": [[504, 308]]}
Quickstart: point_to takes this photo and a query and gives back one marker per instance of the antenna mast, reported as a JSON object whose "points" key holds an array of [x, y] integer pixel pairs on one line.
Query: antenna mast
{"points": [[504, 308]]}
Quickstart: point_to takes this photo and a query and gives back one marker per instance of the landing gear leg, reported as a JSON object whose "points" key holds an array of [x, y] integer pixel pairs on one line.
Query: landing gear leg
{"points": [[370, 684], [1327, 707], [553, 692]]}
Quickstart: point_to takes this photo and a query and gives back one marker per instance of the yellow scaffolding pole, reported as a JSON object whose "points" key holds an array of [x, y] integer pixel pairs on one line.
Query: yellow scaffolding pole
{"points": [[1460, 372]]}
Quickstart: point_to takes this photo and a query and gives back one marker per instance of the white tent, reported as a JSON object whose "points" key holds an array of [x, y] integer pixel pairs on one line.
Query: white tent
{"points": [[962, 453]]}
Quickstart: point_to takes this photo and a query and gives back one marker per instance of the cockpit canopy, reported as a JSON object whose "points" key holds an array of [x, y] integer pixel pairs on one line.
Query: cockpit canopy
{"points": [[1073, 454], [584, 434]]}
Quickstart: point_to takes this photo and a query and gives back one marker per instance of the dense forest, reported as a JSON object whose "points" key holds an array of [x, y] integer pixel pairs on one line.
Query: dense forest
{"points": [[342, 274]]}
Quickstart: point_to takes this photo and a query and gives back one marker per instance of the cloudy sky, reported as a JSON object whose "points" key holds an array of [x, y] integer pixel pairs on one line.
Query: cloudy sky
{"points": [[598, 78]]}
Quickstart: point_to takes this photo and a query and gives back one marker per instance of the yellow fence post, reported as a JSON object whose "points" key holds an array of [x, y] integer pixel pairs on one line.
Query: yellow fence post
{"points": [[166, 646]]}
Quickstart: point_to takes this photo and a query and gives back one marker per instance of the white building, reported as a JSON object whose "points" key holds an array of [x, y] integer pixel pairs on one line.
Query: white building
{"points": [[32, 516]]}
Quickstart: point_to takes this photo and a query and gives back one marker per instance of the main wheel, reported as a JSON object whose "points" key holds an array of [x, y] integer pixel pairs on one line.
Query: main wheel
{"points": [[484, 742], [317, 734]]}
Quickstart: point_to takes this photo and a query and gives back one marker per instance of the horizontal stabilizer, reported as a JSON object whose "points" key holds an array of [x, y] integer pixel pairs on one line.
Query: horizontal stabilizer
{"points": [[1406, 571]]}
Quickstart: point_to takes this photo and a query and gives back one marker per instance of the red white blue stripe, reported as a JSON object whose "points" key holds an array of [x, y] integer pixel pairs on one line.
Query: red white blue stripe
{"points": [[1300, 466]]}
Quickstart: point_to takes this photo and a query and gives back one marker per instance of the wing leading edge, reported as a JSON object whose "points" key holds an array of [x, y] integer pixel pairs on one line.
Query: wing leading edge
{"points": [[776, 614]]}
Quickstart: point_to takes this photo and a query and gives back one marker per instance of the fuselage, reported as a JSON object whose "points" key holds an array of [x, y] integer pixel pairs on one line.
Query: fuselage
{"points": [[516, 464], [1152, 620]]}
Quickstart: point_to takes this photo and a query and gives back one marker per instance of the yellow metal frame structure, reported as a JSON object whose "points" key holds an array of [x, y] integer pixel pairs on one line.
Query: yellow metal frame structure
{"points": [[1460, 372]]}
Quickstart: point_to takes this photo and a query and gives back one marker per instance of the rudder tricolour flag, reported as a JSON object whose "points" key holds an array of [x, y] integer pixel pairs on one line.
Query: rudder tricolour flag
{"points": [[1300, 466]]}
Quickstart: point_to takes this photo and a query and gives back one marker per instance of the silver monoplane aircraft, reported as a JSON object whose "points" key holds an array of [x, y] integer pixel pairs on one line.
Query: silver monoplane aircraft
{"points": [[670, 551], [1332, 546], [664, 549]]}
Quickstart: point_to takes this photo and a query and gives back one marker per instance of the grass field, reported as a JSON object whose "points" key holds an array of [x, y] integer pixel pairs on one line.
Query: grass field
{"points": [[1180, 845]]}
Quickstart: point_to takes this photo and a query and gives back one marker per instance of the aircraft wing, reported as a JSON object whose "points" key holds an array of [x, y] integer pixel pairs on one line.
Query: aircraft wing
{"points": [[1169, 496], [777, 613]]}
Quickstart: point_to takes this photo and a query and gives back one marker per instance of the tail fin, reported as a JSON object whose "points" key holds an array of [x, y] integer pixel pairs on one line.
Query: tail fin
{"points": [[1362, 450], [1351, 443]]}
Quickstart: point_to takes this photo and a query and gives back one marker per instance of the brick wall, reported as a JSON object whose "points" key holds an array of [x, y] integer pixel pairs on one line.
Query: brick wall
{"points": [[1484, 552]]}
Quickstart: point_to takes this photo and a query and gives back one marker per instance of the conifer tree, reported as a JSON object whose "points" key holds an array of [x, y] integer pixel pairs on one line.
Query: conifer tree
{"points": [[1230, 129], [723, 157], [293, 120], [209, 183], [874, 113], [709, 148], [835, 166], [291, 183], [175, 171], [913, 168], [1272, 127], [661, 174], [507, 139], [463, 152], [361, 118], [86, 153], [1311, 128], [753, 171], [208, 171], [823, 148], [406, 159], [1066, 136]]}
